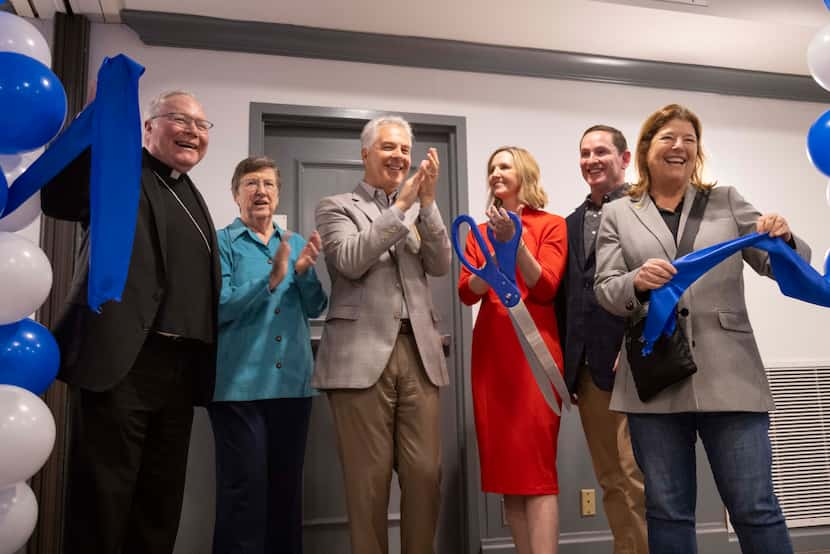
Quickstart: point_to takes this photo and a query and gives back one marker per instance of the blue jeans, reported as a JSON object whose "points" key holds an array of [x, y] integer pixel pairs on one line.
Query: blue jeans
{"points": [[738, 447]]}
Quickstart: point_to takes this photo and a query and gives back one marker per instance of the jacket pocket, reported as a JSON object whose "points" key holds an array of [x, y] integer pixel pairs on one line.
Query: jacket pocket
{"points": [[735, 321], [343, 312]]}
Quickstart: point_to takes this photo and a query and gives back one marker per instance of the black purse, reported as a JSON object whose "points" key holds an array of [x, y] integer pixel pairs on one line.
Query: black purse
{"points": [[671, 359], [670, 362]]}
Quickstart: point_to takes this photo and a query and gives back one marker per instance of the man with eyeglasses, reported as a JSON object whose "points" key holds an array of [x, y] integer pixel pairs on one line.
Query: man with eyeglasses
{"points": [[137, 368]]}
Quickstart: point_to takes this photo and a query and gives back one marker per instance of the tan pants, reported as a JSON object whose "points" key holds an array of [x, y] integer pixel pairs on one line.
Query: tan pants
{"points": [[393, 424], [621, 480]]}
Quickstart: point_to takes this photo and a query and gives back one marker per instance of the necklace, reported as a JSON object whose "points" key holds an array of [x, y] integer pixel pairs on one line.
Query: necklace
{"points": [[190, 215]]}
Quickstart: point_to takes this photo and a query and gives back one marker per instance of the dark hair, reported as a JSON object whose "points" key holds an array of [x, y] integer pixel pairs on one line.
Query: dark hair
{"points": [[251, 165], [616, 136]]}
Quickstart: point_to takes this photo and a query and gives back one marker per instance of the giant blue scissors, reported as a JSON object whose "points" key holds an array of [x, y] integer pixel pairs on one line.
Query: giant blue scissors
{"points": [[500, 274]]}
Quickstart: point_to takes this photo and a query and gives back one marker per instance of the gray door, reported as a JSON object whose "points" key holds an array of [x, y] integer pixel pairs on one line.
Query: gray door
{"points": [[316, 159]]}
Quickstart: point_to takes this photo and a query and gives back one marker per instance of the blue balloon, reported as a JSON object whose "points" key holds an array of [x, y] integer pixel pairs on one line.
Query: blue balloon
{"points": [[29, 357], [4, 192], [827, 3], [7, 332], [32, 103], [818, 143]]}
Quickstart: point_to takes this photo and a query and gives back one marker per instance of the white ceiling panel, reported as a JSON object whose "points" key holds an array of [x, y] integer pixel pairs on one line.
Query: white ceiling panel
{"points": [[763, 35]]}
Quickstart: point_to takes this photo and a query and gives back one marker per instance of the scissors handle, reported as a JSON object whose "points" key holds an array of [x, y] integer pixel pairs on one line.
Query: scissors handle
{"points": [[491, 272], [506, 251]]}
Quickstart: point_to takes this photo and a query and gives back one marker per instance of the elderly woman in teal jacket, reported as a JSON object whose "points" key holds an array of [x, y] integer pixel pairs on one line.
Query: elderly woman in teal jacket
{"points": [[262, 402]]}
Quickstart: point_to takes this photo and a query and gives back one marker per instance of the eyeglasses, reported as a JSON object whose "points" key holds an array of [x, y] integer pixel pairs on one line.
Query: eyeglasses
{"points": [[253, 184], [185, 121]]}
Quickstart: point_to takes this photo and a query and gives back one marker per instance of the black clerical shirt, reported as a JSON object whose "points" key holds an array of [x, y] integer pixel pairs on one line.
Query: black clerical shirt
{"points": [[186, 309]]}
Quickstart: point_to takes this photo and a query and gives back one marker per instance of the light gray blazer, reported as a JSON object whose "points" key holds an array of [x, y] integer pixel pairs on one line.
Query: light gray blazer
{"points": [[730, 374], [365, 304]]}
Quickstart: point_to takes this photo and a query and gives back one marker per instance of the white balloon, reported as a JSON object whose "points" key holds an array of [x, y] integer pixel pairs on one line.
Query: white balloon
{"points": [[21, 218], [25, 278], [20, 36], [818, 57], [13, 165], [27, 433], [18, 516]]}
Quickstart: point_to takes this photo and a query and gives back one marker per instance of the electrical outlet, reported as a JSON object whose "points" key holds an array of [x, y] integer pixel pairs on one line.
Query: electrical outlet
{"points": [[588, 502]]}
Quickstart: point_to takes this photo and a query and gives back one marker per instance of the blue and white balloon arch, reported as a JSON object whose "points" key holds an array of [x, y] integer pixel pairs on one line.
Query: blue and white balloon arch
{"points": [[32, 109], [32, 112]]}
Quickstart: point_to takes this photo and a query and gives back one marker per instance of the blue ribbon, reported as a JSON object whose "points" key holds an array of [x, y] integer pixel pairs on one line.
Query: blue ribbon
{"points": [[111, 127], [795, 277]]}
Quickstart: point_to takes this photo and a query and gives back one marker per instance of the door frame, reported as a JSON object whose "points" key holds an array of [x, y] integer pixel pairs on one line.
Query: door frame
{"points": [[263, 115]]}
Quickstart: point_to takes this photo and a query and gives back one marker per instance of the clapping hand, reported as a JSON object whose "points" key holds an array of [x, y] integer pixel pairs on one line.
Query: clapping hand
{"points": [[500, 223], [308, 255], [410, 190], [430, 168], [421, 185]]}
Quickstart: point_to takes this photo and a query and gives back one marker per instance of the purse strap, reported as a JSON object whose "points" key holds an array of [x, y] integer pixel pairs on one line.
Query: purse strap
{"points": [[687, 240]]}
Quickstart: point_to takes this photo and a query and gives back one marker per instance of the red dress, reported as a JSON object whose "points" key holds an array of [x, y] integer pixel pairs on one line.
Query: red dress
{"points": [[517, 431]]}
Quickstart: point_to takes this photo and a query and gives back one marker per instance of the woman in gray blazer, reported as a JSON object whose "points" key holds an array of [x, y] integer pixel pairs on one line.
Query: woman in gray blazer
{"points": [[727, 400]]}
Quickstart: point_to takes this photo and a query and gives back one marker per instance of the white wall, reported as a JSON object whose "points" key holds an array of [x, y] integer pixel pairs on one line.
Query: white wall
{"points": [[757, 145]]}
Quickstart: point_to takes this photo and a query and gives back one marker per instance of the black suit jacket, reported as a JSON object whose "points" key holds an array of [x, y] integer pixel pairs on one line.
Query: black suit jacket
{"points": [[97, 350], [586, 329]]}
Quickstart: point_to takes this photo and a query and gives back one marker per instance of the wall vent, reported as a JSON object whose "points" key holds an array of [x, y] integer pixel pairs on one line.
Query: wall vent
{"points": [[800, 436]]}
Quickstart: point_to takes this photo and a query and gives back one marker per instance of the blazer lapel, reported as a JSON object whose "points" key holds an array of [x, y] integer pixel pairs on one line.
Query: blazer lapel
{"points": [[646, 211], [365, 203], [157, 214]]}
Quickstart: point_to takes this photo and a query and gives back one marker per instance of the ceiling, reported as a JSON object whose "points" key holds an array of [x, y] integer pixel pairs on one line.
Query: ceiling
{"points": [[762, 35]]}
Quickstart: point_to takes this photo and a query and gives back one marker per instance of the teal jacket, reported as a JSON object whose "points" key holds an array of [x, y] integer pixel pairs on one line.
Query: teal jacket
{"points": [[264, 338]]}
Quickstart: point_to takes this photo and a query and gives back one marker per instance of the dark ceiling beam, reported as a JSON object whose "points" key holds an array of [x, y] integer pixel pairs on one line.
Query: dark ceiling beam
{"points": [[211, 33]]}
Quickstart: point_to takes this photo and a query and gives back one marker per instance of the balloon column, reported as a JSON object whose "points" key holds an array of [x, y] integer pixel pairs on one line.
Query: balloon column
{"points": [[32, 109], [818, 137]]}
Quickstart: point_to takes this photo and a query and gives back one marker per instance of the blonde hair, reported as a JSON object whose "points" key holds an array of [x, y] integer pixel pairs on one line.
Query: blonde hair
{"points": [[531, 192], [651, 126]]}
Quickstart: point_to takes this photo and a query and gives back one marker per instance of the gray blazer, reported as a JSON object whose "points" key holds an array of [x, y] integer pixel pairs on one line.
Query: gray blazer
{"points": [[730, 374], [365, 305]]}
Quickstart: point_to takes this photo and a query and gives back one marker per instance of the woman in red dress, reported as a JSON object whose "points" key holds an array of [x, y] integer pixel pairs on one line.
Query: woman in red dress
{"points": [[517, 431]]}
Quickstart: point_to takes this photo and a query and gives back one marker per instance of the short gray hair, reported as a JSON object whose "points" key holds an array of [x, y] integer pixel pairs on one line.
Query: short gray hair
{"points": [[154, 107], [370, 130]]}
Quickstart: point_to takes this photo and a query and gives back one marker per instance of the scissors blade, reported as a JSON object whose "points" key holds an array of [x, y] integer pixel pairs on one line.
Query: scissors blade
{"points": [[541, 362]]}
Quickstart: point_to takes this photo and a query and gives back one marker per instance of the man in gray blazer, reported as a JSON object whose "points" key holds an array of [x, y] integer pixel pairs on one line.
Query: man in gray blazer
{"points": [[380, 359]]}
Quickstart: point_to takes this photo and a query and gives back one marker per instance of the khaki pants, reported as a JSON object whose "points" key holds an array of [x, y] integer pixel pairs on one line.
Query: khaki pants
{"points": [[621, 480], [393, 424]]}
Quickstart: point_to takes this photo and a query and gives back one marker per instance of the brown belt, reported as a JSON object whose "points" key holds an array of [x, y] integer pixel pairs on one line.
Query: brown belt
{"points": [[406, 327]]}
